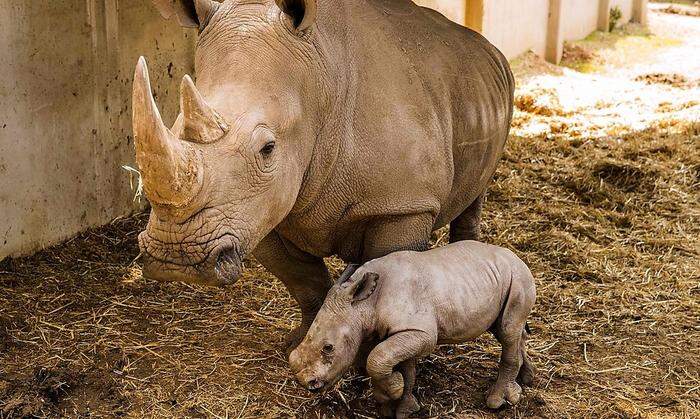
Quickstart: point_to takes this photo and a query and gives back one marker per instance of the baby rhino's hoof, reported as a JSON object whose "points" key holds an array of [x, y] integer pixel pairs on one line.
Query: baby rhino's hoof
{"points": [[388, 390], [394, 386], [499, 394]]}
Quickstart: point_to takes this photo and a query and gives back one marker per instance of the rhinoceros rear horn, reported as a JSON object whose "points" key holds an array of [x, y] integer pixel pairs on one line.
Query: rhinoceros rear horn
{"points": [[201, 123], [170, 168]]}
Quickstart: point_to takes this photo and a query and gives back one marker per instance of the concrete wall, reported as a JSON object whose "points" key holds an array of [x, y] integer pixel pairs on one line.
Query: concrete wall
{"points": [[65, 96], [579, 18], [516, 26], [453, 9]]}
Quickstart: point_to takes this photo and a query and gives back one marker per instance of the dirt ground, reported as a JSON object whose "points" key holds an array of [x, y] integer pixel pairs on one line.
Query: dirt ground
{"points": [[599, 192]]}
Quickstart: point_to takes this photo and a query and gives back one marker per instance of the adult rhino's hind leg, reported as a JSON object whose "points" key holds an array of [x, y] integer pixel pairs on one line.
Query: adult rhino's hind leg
{"points": [[467, 226], [305, 276]]}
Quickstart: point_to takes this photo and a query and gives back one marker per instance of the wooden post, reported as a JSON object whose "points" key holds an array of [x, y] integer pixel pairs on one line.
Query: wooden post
{"points": [[555, 41], [604, 16], [474, 15], [640, 11]]}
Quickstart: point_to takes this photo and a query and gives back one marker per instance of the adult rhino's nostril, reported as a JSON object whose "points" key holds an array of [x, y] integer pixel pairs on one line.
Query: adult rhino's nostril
{"points": [[315, 385], [229, 265]]}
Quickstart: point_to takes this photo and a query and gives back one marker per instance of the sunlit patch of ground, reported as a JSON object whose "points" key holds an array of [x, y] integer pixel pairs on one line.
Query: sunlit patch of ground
{"points": [[606, 214], [633, 80]]}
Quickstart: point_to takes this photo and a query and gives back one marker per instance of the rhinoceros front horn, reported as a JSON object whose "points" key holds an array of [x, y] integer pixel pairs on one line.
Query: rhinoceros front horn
{"points": [[170, 167]]}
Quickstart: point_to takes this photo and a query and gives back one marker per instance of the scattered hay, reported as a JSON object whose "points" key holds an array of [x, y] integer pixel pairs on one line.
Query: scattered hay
{"points": [[676, 9], [626, 176], [610, 228], [59, 391], [543, 102], [675, 80], [577, 53], [668, 107], [580, 57], [530, 65]]}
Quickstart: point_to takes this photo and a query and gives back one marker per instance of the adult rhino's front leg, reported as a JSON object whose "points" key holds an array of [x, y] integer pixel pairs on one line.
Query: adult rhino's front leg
{"points": [[305, 276]]}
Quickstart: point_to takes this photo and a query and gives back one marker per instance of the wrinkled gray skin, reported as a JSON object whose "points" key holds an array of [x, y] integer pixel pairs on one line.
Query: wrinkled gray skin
{"points": [[402, 305], [353, 128]]}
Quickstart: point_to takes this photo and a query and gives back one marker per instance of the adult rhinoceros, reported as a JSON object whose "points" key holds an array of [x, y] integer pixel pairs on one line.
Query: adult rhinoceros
{"points": [[317, 127]]}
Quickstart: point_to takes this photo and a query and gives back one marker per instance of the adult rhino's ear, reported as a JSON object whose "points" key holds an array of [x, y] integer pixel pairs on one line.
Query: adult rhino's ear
{"points": [[189, 13], [362, 288], [302, 12]]}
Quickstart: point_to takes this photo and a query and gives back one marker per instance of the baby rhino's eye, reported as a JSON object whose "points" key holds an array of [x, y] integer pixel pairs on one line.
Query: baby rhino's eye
{"points": [[327, 349]]}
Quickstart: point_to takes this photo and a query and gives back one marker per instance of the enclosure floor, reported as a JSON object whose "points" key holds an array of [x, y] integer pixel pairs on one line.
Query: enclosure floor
{"points": [[606, 215]]}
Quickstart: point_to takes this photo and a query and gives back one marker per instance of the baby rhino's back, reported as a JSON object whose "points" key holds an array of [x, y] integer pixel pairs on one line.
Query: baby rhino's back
{"points": [[460, 287]]}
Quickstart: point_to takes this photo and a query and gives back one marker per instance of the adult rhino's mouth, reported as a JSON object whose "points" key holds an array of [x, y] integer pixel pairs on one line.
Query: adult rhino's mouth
{"points": [[229, 265], [221, 266]]}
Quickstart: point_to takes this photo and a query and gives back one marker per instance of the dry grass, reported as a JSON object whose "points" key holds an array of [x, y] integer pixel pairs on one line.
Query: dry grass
{"points": [[610, 228]]}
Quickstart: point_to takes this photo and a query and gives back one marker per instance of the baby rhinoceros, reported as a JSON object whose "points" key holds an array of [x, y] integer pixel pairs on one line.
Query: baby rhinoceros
{"points": [[399, 307]]}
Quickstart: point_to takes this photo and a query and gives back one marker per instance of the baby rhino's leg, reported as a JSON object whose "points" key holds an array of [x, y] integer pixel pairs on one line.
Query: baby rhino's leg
{"points": [[505, 388], [509, 331], [393, 389], [407, 403], [527, 370]]}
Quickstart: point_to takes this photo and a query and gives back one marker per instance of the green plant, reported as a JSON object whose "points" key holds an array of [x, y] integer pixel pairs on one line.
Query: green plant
{"points": [[615, 16]]}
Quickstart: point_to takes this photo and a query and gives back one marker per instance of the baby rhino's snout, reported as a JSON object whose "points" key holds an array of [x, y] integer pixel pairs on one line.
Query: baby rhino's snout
{"points": [[304, 374], [314, 385]]}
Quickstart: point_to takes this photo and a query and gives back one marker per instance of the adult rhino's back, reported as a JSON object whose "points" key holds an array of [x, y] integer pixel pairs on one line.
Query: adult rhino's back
{"points": [[459, 79]]}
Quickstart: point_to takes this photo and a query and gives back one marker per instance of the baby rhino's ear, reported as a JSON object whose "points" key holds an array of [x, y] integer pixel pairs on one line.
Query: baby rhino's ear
{"points": [[362, 288]]}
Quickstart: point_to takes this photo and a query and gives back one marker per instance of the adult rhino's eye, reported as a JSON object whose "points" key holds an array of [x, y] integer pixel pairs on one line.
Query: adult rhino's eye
{"points": [[327, 349], [268, 149]]}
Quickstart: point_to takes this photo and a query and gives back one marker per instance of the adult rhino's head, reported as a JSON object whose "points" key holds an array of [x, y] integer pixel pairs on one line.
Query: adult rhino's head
{"points": [[231, 167]]}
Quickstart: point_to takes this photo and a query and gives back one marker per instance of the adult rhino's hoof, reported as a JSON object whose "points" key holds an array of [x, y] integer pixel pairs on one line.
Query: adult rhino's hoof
{"points": [[498, 395]]}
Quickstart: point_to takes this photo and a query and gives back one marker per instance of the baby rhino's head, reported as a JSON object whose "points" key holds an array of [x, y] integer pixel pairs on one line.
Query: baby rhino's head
{"points": [[333, 341]]}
